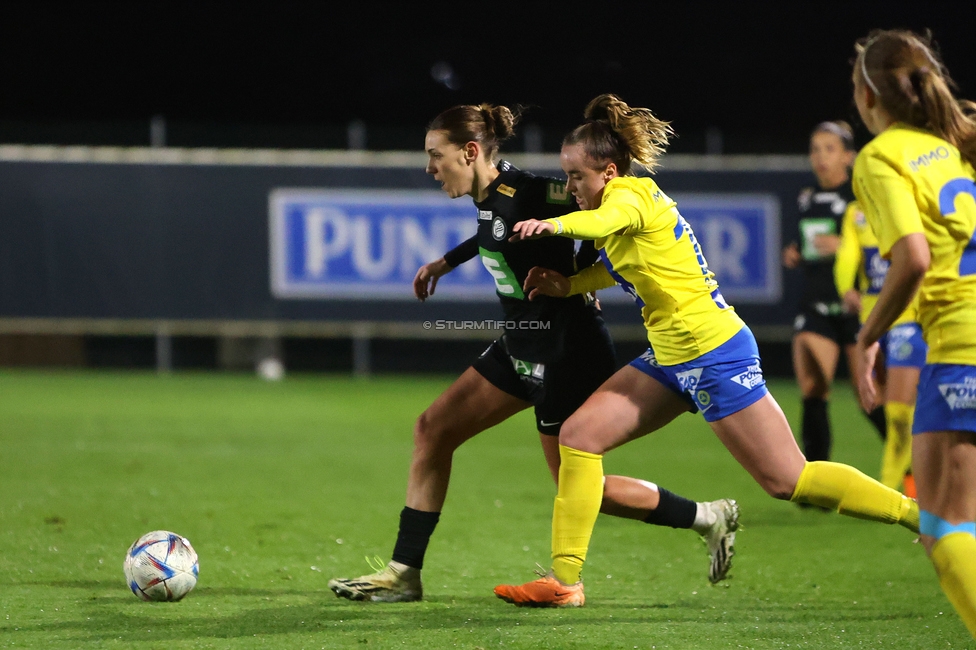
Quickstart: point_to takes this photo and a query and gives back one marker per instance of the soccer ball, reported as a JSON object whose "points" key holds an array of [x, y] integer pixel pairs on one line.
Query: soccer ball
{"points": [[161, 566]]}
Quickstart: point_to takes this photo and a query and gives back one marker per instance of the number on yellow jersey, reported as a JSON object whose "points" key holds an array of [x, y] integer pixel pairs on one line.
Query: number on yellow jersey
{"points": [[947, 206]]}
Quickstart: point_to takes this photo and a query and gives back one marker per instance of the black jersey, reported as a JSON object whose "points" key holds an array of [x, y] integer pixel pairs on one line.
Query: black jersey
{"points": [[534, 329], [820, 213]]}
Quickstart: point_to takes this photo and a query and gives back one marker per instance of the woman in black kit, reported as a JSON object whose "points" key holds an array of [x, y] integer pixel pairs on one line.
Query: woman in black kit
{"points": [[823, 328], [553, 369]]}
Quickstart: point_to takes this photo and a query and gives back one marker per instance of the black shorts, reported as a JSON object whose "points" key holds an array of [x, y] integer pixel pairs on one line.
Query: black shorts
{"points": [[839, 327], [558, 388]]}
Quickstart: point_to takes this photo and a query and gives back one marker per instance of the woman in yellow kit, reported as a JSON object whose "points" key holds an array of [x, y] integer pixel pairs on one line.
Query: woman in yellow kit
{"points": [[916, 184], [702, 357], [903, 349]]}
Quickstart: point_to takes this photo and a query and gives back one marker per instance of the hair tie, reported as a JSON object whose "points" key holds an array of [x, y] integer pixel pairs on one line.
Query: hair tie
{"points": [[831, 127], [864, 67]]}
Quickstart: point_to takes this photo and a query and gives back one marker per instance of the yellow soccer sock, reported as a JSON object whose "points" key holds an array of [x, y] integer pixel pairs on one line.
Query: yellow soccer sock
{"points": [[850, 492], [897, 456], [954, 557], [574, 514]]}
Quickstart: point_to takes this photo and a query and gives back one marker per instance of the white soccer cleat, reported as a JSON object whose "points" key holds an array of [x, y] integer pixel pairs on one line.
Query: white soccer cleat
{"points": [[394, 583], [720, 538]]}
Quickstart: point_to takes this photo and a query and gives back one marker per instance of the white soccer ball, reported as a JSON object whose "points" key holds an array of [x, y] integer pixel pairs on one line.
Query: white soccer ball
{"points": [[161, 566], [271, 369]]}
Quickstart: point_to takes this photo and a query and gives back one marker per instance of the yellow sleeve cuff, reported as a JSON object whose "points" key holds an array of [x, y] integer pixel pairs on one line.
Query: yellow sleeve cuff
{"points": [[590, 279]]}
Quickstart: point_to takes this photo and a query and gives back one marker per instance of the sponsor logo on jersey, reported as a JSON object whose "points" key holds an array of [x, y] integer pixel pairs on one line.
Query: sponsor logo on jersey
{"points": [[875, 267], [498, 229], [484, 215], [556, 192], [961, 395], [688, 379], [940, 153], [837, 202], [506, 190], [751, 378], [529, 369], [860, 220]]}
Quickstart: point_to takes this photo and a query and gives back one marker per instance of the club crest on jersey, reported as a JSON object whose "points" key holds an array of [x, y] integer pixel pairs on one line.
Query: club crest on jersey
{"points": [[961, 395], [688, 379], [900, 345], [498, 229], [484, 215], [805, 198], [751, 378]]}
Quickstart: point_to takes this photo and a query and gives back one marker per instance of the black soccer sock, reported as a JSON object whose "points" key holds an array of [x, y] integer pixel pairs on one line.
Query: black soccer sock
{"points": [[416, 527], [672, 510], [816, 429], [880, 422]]}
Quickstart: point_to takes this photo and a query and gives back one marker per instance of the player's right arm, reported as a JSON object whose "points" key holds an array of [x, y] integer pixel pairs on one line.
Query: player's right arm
{"points": [[846, 262], [890, 209], [425, 281]]}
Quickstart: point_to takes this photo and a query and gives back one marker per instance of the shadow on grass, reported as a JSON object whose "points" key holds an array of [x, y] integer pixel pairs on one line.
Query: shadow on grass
{"points": [[225, 613]]}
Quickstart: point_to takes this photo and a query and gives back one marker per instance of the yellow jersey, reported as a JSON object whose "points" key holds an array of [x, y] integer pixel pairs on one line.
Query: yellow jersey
{"points": [[650, 250], [909, 181], [858, 261]]}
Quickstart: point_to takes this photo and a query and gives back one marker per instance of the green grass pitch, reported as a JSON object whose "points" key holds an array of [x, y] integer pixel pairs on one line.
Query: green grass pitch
{"points": [[281, 486]]}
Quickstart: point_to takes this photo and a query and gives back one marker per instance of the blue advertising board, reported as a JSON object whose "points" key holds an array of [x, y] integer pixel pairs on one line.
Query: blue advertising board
{"points": [[327, 244]]}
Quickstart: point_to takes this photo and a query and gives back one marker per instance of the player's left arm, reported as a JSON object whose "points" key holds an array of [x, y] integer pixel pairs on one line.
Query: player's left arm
{"points": [[546, 282]]}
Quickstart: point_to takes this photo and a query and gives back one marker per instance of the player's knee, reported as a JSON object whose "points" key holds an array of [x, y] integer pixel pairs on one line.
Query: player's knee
{"points": [[816, 389], [778, 487], [426, 433], [575, 434], [434, 436]]}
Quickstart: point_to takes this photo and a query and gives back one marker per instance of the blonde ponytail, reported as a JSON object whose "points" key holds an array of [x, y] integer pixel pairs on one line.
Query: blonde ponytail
{"points": [[615, 132]]}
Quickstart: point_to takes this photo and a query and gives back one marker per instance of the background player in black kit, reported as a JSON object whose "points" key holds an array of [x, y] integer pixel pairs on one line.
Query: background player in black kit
{"points": [[553, 354], [823, 328]]}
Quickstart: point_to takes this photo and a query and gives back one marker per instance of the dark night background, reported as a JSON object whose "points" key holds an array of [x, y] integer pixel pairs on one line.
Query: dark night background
{"points": [[295, 74]]}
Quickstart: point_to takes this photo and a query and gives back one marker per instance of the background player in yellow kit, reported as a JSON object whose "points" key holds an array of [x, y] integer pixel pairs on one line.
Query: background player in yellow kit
{"points": [[553, 369], [702, 357], [858, 262], [916, 183], [822, 328]]}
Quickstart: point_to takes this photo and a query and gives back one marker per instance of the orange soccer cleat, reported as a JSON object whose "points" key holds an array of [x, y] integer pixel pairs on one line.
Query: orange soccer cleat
{"points": [[909, 487], [547, 591]]}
